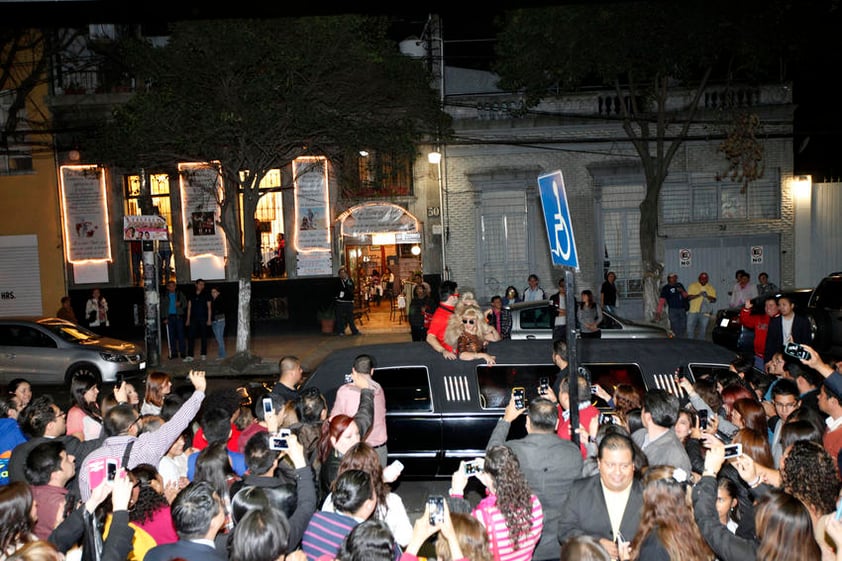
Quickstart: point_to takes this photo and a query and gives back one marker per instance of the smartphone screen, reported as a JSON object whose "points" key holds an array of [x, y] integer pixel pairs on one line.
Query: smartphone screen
{"points": [[518, 395], [733, 451], [436, 504], [267, 405], [703, 419], [110, 470], [349, 379]]}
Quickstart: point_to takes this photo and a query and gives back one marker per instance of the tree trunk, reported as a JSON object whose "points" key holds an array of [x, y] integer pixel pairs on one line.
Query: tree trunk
{"points": [[652, 268], [244, 315]]}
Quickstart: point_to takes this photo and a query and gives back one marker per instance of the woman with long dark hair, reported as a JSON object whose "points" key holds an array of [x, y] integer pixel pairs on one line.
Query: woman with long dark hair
{"points": [[17, 518], [667, 529], [84, 418], [589, 315], [511, 513]]}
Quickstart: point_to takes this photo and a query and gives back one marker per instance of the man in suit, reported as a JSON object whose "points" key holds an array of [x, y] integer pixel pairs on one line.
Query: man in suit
{"points": [[788, 327], [197, 515], [657, 438], [605, 506], [549, 463]]}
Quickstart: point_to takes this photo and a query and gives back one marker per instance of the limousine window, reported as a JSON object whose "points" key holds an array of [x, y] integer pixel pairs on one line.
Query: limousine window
{"points": [[610, 375], [706, 370], [496, 382], [407, 388]]}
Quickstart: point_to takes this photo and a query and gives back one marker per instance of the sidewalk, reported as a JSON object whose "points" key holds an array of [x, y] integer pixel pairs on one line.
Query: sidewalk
{"points": [[268, 348]]}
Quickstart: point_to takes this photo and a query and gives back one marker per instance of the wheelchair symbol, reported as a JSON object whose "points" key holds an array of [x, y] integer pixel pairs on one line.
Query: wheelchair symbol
{"points": [[562, 248]]}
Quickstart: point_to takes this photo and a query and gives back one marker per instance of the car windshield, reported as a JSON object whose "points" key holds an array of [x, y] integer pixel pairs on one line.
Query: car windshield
{"points": [[71, 333]]}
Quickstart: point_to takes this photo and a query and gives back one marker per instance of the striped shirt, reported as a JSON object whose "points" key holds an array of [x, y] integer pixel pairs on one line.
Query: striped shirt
{"points": [[324, 534], [498, 534]]}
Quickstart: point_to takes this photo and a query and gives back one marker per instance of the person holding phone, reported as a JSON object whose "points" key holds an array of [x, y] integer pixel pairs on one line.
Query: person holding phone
{"points": [[511, 513]]}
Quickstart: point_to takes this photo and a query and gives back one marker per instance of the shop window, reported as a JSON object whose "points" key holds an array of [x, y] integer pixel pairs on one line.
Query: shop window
{"points": [[380, 174], [269, 227]]}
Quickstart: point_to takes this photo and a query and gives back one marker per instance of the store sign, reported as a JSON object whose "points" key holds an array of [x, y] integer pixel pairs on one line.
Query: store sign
{"points": [[139, 228], [85, 214], [377, 218]]}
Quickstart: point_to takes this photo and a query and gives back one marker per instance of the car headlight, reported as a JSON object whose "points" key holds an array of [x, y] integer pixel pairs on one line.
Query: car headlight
{"points": [[113, 357]]}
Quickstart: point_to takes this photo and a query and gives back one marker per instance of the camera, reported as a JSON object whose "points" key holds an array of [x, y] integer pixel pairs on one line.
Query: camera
{"points": [[473, 467], [436, 504], [519, 397], [110, 470], [796, 350], [268, 407], [280, 440]]}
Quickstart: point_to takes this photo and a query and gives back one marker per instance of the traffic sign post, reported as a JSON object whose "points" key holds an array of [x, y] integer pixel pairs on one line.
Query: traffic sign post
{"points": [[563, 252]]}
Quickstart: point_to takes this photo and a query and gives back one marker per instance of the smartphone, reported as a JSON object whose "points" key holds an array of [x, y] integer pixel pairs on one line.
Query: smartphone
{"points": [[280, 440], [733, 451], [519, 397], [543, 386], [436, 504], [268, 407], [349, 379], [473, 467], [110, 470], [607, 419], [703, 419], [796, 350], [593, 390]]}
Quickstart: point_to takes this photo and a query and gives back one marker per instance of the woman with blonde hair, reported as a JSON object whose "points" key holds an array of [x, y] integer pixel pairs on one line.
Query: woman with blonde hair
{"points": [[468, 332]]}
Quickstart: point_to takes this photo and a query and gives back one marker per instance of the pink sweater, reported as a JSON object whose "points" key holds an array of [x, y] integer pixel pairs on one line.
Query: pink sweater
{"points": [[498, 534]]}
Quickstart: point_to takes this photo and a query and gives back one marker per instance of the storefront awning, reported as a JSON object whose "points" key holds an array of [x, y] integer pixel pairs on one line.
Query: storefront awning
{"points": [[377, 218]]}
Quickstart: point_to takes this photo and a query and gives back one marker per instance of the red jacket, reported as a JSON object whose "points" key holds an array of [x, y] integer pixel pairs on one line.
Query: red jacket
{"points": [[760, 324]]}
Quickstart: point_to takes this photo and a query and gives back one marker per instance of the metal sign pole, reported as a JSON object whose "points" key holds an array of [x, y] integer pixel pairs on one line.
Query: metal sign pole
{"points": [[572, 358]]}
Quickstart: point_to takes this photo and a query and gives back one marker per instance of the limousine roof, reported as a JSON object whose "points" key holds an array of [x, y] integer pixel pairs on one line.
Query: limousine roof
{"points": [[653, 356]]}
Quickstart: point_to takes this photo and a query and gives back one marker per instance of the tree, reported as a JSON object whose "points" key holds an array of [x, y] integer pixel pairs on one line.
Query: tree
{"points": [[253, 95], [644, 51], [25, 54]]}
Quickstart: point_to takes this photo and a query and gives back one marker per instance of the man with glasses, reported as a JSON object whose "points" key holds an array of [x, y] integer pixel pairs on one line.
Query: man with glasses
{"points": [[605, 506], [785, 400], [43, 421]]}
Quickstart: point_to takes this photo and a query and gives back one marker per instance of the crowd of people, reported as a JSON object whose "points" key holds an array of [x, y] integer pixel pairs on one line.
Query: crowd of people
{"points": [[727, 466]]}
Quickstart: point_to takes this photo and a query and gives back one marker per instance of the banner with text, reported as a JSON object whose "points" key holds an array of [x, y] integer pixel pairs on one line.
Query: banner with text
{"points": [[85, 213], [312, 208], [201, 188]]}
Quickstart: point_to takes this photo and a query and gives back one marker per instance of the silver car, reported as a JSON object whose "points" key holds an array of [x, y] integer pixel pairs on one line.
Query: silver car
{"points": [[534, 320], [51, 351]]}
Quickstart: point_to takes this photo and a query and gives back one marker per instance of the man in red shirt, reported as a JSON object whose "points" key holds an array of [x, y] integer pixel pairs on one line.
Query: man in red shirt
{"points": [[448, 297], [760, 324]]}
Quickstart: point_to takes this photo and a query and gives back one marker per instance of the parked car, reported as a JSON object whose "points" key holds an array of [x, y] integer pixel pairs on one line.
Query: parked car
{"points": [[440, 411], [825, 306], [729, 332], [534, 320], [50, 350]]}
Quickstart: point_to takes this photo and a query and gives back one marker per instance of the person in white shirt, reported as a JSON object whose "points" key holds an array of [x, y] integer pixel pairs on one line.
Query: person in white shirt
{"points": [[533, 292]]}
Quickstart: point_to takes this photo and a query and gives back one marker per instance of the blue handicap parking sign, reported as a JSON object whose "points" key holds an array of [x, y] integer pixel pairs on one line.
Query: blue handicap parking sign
{"points": [[557, 219]]}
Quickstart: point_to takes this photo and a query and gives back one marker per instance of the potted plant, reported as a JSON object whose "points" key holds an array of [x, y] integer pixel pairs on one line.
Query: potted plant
{"points": [[326, 314]]}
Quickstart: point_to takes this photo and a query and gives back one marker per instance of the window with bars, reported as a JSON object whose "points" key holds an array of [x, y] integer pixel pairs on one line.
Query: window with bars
{"points": [[503, 253], [17, 156], [621, 236], [703, 199], [381, 174]]}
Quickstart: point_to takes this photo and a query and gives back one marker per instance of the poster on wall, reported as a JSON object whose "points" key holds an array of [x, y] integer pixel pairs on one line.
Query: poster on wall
{"points": [[85, 213], [314, 264], [312, 211], [201, 186]]}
